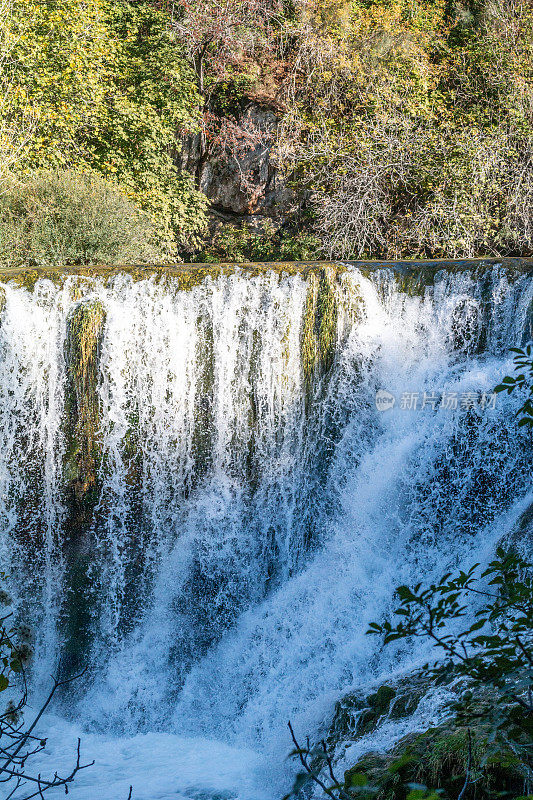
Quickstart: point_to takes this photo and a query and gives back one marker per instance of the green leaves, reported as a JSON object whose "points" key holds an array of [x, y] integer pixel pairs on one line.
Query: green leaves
{"points": [[65, 217], [493, 653], [110, 91], [523, 360]]}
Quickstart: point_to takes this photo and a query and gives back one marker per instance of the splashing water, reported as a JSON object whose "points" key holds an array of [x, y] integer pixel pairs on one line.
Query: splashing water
{"points": [[250, 515]]}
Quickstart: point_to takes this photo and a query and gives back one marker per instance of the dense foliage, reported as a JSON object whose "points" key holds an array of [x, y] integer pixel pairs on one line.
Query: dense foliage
{"points": [[108, 89], [410, 126], [57, 218], [405, 128]]}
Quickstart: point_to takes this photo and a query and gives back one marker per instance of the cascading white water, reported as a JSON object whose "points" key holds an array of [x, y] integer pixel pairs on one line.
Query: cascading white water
{"points": [[249, 525]]}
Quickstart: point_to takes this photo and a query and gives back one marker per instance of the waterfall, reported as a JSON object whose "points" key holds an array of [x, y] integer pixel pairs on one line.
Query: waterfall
{"points": [[202, 504]]}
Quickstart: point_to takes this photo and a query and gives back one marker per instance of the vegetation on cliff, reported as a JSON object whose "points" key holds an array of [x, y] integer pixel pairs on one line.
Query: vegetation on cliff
{"points": [[390, 128], [100, 86]]}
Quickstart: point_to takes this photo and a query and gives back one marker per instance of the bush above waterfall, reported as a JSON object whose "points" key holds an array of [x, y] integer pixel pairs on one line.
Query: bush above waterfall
{"points": [[62, 217], [104, 86]]}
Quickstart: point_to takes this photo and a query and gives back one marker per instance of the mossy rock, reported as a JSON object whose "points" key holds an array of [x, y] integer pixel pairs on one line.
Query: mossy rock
{"points": [[379, 705], [416, 275], [358, 715], [438, 758], [372, 765], [319, 326], [85, 329], [521, 536], [183, 276]]}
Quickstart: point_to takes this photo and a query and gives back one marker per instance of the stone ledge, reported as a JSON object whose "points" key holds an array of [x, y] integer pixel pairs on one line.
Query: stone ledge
{"points": [[190, 275]]}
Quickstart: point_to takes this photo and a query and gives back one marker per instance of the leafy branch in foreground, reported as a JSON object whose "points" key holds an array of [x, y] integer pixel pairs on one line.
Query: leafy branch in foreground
{"points": [[523, 360], [493, 653], [19, 742]]}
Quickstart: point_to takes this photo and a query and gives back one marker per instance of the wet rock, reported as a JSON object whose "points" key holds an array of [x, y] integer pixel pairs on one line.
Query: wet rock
{"points": [[439, 758], [436, 758], [85, 329], [356, 715]]}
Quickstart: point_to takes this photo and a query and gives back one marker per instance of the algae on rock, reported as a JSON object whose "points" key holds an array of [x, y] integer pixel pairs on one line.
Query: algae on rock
{"points": [[439, 758], [85, 328], [319, 326], [357, 715]]}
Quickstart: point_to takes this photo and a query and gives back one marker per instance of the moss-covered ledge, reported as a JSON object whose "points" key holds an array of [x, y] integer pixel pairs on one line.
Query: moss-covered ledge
{"points": [[186, 275], [190, 275], [437, 757]]}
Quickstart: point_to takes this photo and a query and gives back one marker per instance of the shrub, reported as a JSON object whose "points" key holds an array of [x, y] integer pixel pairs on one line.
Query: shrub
{"points": [[240, 244], [56, 218], [103, 86]]}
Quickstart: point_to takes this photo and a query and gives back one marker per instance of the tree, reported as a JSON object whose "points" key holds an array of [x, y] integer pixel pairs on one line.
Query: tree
{"points": [[409, 130], [151, 101], [15, 129], [220, 37], [111, 91]]}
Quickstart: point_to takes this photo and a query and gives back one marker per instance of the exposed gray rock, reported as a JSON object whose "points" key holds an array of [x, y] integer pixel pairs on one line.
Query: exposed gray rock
{"points": [[241, 182]]}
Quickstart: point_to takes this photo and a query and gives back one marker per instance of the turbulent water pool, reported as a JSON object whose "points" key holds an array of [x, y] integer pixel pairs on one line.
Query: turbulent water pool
{"points": [[208, 492]]}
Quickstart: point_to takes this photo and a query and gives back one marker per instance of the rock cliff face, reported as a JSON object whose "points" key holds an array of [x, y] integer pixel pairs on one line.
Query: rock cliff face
{"points": [[243, 184]]}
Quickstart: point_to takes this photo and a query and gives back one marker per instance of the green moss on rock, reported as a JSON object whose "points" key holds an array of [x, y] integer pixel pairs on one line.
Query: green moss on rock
{"points": [[438, 758], [415, 274], [357, 715], [319, 325], [309, 347], [85, 329], [184, 276]]}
